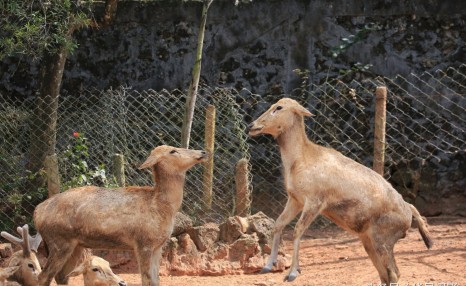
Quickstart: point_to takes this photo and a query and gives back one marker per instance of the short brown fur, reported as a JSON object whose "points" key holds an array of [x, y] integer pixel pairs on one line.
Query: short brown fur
{"points": [[320, 180], [101, 218]]}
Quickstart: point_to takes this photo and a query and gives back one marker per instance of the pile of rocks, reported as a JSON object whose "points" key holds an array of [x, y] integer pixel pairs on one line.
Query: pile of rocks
{"points": [[239, 245]]}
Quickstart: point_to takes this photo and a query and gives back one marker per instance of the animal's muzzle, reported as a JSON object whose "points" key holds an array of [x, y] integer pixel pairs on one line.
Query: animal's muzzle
{"points": [[252, 129]]}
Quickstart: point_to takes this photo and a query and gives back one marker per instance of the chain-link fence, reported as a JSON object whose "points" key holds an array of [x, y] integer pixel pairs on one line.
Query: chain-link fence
{"points": [[425, 117]]}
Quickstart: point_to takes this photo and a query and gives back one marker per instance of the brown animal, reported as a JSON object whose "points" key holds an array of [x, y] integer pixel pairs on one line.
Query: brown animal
{"points": [[96, 271], [141, 219], [5, 273], [320, 180], [26, 259]]}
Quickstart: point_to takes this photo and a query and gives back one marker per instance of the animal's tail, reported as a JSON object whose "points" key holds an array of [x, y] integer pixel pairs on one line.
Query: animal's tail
{"points": [[422, 226]]}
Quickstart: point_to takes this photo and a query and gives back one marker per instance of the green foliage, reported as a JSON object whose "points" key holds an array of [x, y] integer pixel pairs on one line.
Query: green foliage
{"points": [[32, 28], [17, 206], [361, 34], [77, 171]]}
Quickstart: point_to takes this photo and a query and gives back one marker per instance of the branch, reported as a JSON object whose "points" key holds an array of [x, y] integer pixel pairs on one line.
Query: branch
{"points": [[110, 12]]}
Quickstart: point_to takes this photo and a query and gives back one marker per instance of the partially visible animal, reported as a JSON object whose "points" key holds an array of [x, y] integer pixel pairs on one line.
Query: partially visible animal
{"points": [[96, 271], [320, 180], [26, 258], [137, 218], [5, 273]]}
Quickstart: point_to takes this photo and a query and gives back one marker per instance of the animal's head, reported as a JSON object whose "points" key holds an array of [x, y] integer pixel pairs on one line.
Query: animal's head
{"points": [[96, 271], [26, 259], [278, 118], [173, 160], [7, 272]]}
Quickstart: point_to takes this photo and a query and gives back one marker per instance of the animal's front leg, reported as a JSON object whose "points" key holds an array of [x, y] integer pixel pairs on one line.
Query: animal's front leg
{"points": [[155, 265], [292, 208], [310, 211], [144, 255]]}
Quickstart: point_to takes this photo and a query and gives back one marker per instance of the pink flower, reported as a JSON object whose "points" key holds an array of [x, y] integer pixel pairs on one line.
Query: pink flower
{"points": [[75, 134]]}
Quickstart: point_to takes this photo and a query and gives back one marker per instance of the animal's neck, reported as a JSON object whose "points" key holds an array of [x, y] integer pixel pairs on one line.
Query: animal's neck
{"points": [[169, 188], [292, 143]]}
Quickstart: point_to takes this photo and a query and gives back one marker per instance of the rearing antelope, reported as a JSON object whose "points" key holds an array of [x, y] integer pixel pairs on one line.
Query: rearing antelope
{"points": [[320, 180]]}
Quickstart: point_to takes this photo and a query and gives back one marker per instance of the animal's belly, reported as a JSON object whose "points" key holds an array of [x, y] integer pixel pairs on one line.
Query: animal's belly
{"points": [[103, 242], [350, 222]]}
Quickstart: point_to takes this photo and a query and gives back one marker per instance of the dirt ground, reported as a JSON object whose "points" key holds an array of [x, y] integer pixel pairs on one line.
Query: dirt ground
{"points": [[331, 256]]}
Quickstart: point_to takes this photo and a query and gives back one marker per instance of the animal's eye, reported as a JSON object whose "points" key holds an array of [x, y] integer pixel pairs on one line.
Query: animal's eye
{"points": [[95, 269], [30, 265], [279, 107], [173, 151]]}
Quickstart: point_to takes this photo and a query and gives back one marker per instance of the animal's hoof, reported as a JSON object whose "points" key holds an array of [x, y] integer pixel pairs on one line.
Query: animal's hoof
{"points": [[292, 276], [289, 278], [265, 270]]}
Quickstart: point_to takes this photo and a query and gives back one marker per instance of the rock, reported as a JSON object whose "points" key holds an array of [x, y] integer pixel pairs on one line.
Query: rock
{"points": [[245, 247], [204, 236], [182, 224], [181, 257], [231, 229], [263, 226]]}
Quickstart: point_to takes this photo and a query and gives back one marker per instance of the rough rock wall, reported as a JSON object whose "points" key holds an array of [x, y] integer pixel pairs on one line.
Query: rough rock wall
{"points": [[256, 46]]}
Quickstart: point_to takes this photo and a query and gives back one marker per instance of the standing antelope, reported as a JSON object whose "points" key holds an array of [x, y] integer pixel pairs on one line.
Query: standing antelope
{"points": [[138, 218], [322, 180], [26, 259]]}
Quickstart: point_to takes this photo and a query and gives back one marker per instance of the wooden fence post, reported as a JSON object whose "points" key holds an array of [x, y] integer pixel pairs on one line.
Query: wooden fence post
{"points": [[208, 175], [53, 176], [243, 202], [379, 129], [119, 169]]}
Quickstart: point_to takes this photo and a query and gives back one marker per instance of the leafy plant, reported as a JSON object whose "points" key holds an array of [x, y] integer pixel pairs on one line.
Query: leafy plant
{"points": [[77, 171], [361, 34], [16, 208], [33, 27]]}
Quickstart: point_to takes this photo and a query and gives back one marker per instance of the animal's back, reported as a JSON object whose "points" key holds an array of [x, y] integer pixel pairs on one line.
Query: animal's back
{"points": [[356, 194], [93, 216]]}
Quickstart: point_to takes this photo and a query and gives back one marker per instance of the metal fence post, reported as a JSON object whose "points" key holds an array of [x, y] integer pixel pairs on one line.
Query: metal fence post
{"points": [[208, 175], [53, 176], [119, 169], [379, 129], [243, 202]]}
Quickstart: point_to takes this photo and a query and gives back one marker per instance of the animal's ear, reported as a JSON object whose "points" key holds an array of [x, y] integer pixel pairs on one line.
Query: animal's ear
{"points": [[78, 270], [302, 111], [8, 271], [153, 159]]}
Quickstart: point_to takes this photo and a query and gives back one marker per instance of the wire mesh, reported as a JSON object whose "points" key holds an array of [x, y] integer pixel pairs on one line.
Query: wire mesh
{"points": [[425, 118]]}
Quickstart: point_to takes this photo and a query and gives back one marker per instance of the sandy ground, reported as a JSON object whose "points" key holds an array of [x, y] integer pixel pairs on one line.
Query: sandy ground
{"points": [[331, 256]]}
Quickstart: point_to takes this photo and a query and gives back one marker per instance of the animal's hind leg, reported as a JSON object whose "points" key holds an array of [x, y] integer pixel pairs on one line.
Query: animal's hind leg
{"points": [[375, 258], [55, 260], [75, 259], [379, 242]]}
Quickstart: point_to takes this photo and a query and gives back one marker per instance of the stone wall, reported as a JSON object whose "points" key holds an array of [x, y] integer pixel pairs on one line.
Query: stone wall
{"points": [[256, 45]]}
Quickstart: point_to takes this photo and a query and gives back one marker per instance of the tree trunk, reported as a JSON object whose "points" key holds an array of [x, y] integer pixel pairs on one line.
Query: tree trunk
{"points": [[44, 118], [192, 93]]}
